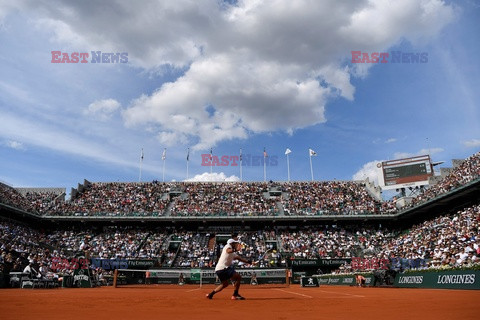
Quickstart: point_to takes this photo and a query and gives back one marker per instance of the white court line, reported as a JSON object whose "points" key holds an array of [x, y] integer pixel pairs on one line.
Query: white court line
{"points": [[191, 290], [303, 295], [347, 294]]}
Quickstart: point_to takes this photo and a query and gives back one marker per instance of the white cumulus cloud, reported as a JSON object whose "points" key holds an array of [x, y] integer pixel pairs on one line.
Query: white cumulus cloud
{"points": [[213, 177], [371, 171], [262, 66], [472, 143], [102, 109]]}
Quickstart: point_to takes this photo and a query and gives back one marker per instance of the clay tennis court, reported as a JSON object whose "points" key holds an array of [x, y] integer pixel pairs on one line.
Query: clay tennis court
{"points": [[189, 302]]}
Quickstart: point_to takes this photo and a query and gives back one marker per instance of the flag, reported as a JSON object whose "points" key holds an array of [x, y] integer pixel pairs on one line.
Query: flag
{"points": [[312, 153], [240, 154], [141, 155], [188, 154], [288, 151], [164, 155], [265, 153], [211, 153]]}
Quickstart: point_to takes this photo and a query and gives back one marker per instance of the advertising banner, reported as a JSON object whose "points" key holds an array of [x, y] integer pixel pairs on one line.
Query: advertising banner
{"points": [[462, 279]]}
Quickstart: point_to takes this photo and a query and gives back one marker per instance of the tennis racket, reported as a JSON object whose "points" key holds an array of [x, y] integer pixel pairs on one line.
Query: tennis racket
{"points": [[265, 254]]}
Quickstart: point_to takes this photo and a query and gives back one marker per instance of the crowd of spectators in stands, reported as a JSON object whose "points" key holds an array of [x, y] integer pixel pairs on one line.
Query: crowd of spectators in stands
{"points": [[204, 199], [447, 241], [110, 199], [466, 172], [21, 246], [195, 251], [44, 202], [112, 243], [334, 242], [227, 199], [331, 198], [12, 197], [444, 242]]}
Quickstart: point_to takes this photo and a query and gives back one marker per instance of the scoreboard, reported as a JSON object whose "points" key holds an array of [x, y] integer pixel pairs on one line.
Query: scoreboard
{"points": [[408, 172]]}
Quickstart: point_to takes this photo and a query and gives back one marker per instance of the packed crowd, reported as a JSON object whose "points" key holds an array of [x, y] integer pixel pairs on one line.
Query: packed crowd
{"points": [[12, 197], [467, 171], [450, 241], [112, 243], [237, 199], [444, 242], [113, 199], [201, 199], [255, 245], [199, 250], [447, 241], [332, 198], [44, 202], [334, 242], [227, 199], [194, 252], [22, 246]]}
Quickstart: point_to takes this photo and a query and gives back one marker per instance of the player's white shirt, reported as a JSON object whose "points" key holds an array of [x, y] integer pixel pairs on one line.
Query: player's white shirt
{"points": [[226, 259]]}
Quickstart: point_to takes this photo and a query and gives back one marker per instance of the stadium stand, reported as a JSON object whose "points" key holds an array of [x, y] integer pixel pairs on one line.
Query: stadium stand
{"points": [[154, 199], [11, 197], [224, 199], [331, 198], [447, 241], [332, 242], [463, 173]]}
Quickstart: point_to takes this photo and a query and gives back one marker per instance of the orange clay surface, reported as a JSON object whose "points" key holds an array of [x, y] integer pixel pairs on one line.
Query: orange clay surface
{"points": [[189, 302]]}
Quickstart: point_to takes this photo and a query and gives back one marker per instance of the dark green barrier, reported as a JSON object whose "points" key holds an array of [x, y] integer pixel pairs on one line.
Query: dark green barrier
{"points": [[67, 282], [343, 280], [462, 279], [297, 276]]}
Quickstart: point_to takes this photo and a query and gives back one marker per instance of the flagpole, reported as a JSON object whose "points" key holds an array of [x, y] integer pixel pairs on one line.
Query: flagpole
{"points": [[163, 175], [211, 160], [311, 167], [264, 165], [288, 168], [188, 156], [141, 161], [164, 156], [241, 178], [264, 170]]}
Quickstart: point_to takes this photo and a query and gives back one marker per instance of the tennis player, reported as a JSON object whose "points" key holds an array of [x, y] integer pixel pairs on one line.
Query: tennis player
{"points": [[226, 271]]}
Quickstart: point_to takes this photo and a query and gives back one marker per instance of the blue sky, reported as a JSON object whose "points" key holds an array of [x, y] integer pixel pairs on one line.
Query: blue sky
{"points": [[245, 74]]}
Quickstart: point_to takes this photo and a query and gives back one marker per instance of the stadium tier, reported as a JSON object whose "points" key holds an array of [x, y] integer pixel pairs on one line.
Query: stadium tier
{"points": [[448, 240], [227, 199]]}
